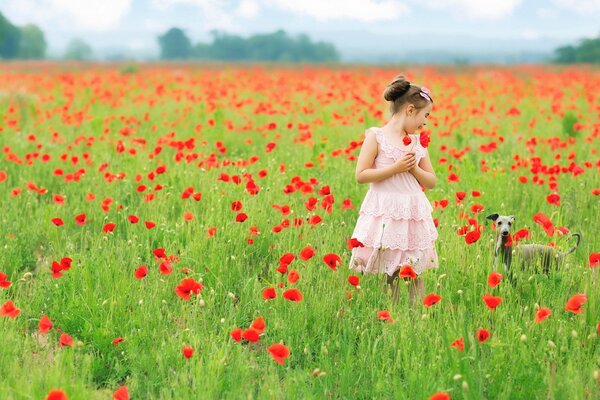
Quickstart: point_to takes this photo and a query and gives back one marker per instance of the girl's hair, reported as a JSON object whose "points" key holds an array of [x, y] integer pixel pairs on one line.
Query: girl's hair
{"points": [[400, 92]]}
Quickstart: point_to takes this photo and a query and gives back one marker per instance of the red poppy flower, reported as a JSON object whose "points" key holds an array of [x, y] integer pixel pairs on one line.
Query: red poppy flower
{"points": [[56, 394], [56, 268], [384, 315], [521, 234], [133, 219], [282, 269], [187, 351], [141, 272], [279, 352], [269, 293], [575, 303], [109, 227], [541, 219], [594, 261], [188, 286], [292, 295], [80, 219], [353, 242], [159, 252], [287, 258], [452, 177], [482, 335], [293, 277], [315, 220], [353, 280], [241, 217], [431, 299], [149, 224], [424, 139], [473, 236], [8, 309], [4, 283], [236, 334], [45, 324], [491, 301], [332, 260], [347, 204], [554, 199], [57, 221], [460, 196], [188, 216], [251, 335], [236, 206], [407, 272], [121, 393], [307, 253], [165, 268], [458, 344], [118, 340], [494, 279], [542, 314], [65, 340], [258, 325]]}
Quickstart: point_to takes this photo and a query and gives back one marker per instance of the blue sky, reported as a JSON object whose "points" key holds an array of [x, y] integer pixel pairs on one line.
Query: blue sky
{"points": [[353, 25]]}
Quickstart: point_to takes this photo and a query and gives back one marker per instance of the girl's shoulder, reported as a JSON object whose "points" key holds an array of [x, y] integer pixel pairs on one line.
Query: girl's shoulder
{"points": [[374, 131]]}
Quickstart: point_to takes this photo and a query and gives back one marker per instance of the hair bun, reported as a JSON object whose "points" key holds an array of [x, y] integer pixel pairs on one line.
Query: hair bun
{"points": [[397, 88]]}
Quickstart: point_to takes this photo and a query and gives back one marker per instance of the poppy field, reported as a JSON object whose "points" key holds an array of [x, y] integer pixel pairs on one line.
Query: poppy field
{"points": [[183, 231]]}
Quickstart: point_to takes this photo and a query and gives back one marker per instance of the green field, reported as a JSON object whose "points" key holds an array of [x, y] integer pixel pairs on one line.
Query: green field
{"points": [[118, 141]]}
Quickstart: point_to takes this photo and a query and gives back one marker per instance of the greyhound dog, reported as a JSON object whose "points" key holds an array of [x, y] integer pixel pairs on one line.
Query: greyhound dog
{"points": [[528, 254]]}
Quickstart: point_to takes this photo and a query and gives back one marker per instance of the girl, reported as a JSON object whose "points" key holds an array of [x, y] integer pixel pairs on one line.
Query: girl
{"points": [[395, 224]]}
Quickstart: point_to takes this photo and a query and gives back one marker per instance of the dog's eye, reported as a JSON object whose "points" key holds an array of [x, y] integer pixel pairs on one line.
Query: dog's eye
{"points": [[509, 224], [499, 223]]}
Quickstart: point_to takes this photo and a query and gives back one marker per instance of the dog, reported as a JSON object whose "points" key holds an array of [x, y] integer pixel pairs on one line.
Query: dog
{"points": [[528, 254]]}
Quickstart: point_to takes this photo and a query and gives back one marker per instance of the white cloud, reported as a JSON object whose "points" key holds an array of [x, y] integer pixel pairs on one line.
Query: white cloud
{"points": [[356, 10], [90, 15], [580, 6], [98, 15], [474, 9], [213, 13], [247, 9]]}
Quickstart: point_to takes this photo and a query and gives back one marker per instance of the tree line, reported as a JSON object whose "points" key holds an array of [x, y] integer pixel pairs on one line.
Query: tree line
{"points": [[277, 47], [28, 42], [587, 51]]}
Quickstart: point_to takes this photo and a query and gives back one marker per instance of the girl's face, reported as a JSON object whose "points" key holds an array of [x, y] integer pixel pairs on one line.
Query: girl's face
{"points": [[416, 119]]}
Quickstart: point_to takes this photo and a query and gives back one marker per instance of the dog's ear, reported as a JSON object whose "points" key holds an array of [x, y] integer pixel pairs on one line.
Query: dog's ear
{"points": [[493, 217], [512, 218]]}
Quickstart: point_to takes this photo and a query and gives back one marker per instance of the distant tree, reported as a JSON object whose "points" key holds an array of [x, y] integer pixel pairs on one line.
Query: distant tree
{"points": [[10, 37], [33, 43], [588, 51], [174, 44], [276, 47], [202, 51], [77, 49]]}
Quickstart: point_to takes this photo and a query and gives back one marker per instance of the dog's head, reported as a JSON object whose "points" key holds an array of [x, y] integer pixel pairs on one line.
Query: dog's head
{"points": [[503, 223]]}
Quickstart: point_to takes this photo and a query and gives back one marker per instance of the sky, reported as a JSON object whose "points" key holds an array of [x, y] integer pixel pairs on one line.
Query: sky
{"points": [[358, 28]]}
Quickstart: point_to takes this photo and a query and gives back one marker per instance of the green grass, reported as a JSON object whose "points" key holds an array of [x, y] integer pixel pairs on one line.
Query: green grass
{"points": [[338, 347]]}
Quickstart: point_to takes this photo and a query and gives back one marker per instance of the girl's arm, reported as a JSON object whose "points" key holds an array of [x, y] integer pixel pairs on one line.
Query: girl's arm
{"points": [[364, 172], [424, 172]]}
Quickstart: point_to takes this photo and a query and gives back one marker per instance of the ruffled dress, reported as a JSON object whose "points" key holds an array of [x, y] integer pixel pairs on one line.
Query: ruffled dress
{"points": [[394, 224]]}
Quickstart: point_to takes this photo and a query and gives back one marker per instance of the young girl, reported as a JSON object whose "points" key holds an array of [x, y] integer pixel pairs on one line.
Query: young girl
{"points": [[395, 224]]}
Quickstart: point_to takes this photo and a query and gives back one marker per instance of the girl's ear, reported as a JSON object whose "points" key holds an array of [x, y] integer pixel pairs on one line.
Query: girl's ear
{"points": [[410, 109]]}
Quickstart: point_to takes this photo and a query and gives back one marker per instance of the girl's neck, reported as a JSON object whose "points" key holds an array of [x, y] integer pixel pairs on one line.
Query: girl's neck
{"points": [[396, 126]]}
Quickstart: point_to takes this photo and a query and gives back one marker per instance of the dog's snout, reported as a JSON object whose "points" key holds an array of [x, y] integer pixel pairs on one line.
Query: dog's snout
{"points": [[504, 233]]}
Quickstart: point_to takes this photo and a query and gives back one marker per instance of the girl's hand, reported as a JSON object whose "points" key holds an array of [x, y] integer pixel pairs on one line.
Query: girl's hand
{"points": [[406, 163]]}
